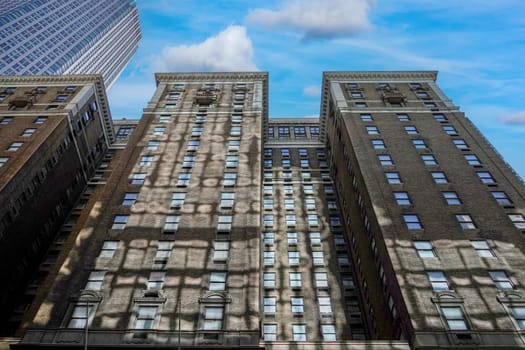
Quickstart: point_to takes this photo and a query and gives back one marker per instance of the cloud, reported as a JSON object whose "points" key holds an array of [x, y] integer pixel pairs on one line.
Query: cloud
{"points": [[230, 50], [517, 118], [312, 90], [317, 18]]}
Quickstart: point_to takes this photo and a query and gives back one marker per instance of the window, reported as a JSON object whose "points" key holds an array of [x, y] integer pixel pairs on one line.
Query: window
{"points": [[367, 117], [348, 282], [287, 174], [156, 280], [328, 331], [268, 189], [460, 144], [95, 280], [153, 145], [328, 189], [224, 222], [315, 238], [501, 198], [268, 204], [217, 281], [145, 317], [283, 131], [229, 179], [352, 85], [177, 200], [318, 258], [163, 251], [269, 280], [422, 95], [184, 179], [129, 199], [321, 280], [299, 332], [402, 198], [313, 220], [385, 160], [454, 318], [325, 305], [295, 280], [412, 222], [221, 251], [227, 200], [424, 249], [40, 120], [61, 98], [232, 161], [411, 130], [171, 224], [419, 144], [430, 105], [108, 249], [403, 117], [306, 175], [449, 129], [310, 203], [288, 189], [270, 305], [297, 304], [518, 220], [372, 130], [451, 198], [335, 220], [269, 332], [213, 316], [15, 146], [518, 313], [268, 220], [6, 120], [28, 132], [361, 105], [339, 239], [119, 222], [308, 189], [293, 258], [483, 249], [270, 132], [235, 131], [268, 175], [236, 118], [393, 177], [472, 159], [440, 118], [289, 204], [173, 95], [164, 119], [285, 152], [269, 258], [80, 315], [438, 281], [342, 260], [303, 152], [439, 177], [290, 220], [159, 130], [356, 94], [269, 238], [188, 161], [428, 159], [378, 144], [285, 163], [200, 118], [268, 163], [465, 221], [331, 205], [146, 161], [304, 163], [193, 145], [196, 131], [299, 132]]}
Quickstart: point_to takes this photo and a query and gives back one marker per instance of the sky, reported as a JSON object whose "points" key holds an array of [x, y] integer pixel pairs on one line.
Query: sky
{"points": [[478, 47]]}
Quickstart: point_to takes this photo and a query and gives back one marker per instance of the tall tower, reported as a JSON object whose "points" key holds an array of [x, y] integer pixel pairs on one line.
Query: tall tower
{"points": [[435, 216], [68, 37]]}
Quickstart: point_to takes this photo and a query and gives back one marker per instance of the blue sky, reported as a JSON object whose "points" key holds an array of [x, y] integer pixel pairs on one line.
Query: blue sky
{"points": [[476, 45]]}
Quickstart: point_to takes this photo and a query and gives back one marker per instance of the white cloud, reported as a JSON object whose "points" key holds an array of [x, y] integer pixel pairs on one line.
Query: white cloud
{"points": [[517, 118], [317, 18], [312, 90], [230, 50]]}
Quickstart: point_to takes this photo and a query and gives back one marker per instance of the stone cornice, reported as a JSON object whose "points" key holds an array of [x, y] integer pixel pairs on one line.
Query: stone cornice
{"points": [[388, 76], [50, 79], [210, 76]]}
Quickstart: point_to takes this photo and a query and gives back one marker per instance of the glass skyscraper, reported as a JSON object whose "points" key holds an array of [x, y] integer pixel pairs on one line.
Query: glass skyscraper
{"points": [[68, 37]]}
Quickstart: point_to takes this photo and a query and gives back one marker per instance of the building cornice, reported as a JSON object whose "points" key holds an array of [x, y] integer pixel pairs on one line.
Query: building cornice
{"points": [[32, 80], [210, 76], [380, 76]]}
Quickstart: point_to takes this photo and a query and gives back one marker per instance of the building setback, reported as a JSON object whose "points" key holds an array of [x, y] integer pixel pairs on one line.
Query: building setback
{"points": [[54, 131], [68, 37], [389, 223]]}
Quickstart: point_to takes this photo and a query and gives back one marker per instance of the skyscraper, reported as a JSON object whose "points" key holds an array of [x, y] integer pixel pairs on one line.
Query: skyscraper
{"points": [[388, 223], [68, 37]]}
